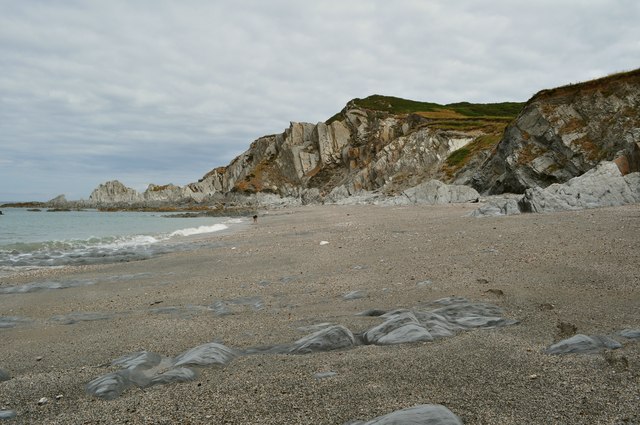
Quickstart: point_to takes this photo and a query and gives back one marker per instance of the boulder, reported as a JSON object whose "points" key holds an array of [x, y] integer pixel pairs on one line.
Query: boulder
{"points": [[603, 186], [330, 338], [424, 414]]}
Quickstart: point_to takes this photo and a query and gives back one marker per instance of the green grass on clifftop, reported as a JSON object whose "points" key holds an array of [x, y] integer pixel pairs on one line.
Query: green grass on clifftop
{"points": [[396, 105]]}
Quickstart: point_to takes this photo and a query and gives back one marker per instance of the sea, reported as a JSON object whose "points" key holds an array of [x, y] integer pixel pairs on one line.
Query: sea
{"points": [[42, 239]]}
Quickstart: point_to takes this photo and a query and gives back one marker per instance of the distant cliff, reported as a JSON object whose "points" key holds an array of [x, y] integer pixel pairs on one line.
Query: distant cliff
{"points": [[387, 145]]}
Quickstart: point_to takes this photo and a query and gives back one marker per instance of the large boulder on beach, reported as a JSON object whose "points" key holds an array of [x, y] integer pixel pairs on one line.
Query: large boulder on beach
{"points": [[603, 186], [424, 414]]}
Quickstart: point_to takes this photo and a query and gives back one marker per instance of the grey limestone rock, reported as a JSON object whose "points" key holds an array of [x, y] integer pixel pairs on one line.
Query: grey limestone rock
{"points": [[354, 295], [582, 344], [603, 186], [435, 192], [140, 359], [8, 414], [398, 328], [330, 338], [109, 386], [205, 355], [424, 414], [497, 207], [630, 333]]}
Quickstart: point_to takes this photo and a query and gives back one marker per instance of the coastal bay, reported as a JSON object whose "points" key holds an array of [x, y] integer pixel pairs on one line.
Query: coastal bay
{"points": [[556, 274]]}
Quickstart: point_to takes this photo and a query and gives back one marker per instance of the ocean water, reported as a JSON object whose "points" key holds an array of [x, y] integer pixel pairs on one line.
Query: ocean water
{"points": [[50, 239]]}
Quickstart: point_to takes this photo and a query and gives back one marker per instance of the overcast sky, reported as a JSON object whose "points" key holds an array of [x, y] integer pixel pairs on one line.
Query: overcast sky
{"points": [[164, 91]]}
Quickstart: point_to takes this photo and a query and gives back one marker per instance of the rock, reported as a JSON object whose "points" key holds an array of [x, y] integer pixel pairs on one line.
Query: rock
{"points": [[424, 414], [626, 333], [109, 386], [140, 359], [435, 192], [582, 344], [331, 338], [563, 133], [8, 414], [206, 355], [324, 375], [4, 375], [603, 186], [497, 207], [114, 193], [398, 328], [354, 295], [178, 374], [43, 401]]}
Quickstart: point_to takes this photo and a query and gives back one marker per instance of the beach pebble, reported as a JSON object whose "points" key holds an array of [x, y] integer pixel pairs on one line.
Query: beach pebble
{"points": [[4, 375], [583, 344], [7, 414], [323, 375], [43, 401], [424, 414], [354, 295], [324, 242], [59, 397]]}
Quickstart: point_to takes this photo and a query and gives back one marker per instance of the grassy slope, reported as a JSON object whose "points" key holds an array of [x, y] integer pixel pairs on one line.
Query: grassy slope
{"points": [[395, 105]]}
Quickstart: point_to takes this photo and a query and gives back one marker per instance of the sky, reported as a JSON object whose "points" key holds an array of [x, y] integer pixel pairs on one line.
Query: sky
{"points": [[153, 91]]}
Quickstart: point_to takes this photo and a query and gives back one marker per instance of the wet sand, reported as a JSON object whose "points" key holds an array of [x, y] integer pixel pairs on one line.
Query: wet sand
{"points": [[555, 273]]}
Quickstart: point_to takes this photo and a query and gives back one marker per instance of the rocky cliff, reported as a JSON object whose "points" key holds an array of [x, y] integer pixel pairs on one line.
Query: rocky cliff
{"points": [[387, 145], [377, 143], [564, 132]]}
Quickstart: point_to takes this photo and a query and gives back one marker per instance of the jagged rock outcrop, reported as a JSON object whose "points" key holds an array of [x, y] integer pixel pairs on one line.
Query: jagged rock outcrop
{"points": [[603, 186], [114, 192], [564, 132]]}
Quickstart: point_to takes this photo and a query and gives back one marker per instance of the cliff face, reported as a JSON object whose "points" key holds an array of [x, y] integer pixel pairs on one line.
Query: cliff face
{"points": [[564, 132], [388, 145], [371, 144]]}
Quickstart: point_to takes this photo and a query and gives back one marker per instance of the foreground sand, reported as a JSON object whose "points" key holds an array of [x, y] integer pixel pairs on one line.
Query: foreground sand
{"points": [[578, 268]]}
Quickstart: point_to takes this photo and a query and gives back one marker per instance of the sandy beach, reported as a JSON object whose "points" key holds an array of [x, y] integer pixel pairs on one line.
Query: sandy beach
{"points": [[556, 274]]}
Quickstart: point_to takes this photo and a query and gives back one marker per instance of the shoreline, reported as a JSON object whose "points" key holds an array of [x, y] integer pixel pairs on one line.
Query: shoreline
{"points": [[577, 268]]}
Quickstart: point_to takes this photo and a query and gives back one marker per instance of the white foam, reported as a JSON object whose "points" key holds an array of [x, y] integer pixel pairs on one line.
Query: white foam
{"points": [[130, 241], [199, 230]]}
